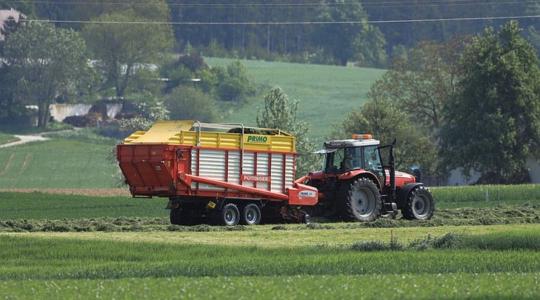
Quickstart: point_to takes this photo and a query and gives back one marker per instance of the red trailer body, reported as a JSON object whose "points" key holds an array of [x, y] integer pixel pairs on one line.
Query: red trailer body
{"points": [[169, 171]]}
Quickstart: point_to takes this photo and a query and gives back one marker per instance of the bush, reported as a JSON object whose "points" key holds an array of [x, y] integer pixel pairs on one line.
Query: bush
{"points": [[369, 246], [193, 61], [188, 103], [149, 109], [232, 83], [183, 70]]}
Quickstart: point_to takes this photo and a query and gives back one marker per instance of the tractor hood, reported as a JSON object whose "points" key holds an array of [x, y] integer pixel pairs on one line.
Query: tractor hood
{"points": [[402, 178]]}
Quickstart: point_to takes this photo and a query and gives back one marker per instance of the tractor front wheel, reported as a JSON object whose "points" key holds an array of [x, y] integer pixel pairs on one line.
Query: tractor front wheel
{"points": [[361, 201], [420, 204]]}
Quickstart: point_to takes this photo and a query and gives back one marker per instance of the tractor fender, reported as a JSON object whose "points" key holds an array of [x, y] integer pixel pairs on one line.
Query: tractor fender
{"points": [[403, 193], [355, 174]]}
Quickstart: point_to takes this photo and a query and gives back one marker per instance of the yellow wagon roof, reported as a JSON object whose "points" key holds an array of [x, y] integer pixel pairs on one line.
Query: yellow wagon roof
{"points": [[195, 133], [160, 133]]}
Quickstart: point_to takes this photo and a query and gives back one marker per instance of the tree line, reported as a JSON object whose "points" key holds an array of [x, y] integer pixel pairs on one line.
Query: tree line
{"points": [[364, 44], [132, 63]]}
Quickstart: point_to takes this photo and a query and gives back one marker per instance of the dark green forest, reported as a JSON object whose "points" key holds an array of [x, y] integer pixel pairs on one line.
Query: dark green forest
{"points": [[366, 44]]}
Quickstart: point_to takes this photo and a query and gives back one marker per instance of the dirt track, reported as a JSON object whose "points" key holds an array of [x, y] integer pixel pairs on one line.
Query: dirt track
{"points": [[25, 139], [84, 192]]}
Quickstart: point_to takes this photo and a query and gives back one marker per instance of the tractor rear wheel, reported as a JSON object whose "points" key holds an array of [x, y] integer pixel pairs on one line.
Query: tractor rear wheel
{"points": [[361, 201], [420, 204], [183, 216]]}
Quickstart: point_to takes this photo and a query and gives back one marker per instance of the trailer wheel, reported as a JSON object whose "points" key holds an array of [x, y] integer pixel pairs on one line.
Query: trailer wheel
{"points": [[361, 201], [229, 215], [420, 204], [179, 216], [251, 214]]}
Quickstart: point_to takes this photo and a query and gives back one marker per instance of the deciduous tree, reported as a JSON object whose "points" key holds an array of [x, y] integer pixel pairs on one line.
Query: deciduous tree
{"points": [[387, 121], [280, 112], [123, 48], [48, 63], [493, 123], [346, 41]]}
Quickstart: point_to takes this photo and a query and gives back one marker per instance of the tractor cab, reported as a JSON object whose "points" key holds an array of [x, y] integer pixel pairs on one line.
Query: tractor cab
{"points": [[360, 153]]}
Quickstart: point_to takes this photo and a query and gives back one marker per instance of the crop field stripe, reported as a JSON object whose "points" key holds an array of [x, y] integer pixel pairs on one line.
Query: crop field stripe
{"points": [[32, 258], [37, 266], [7, 165], [264, 237], [402, 286], [26, 162]]}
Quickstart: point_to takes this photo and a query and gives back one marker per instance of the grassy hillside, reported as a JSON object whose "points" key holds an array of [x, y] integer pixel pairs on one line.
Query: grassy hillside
{"points": [[326, 93], [62, 162]]}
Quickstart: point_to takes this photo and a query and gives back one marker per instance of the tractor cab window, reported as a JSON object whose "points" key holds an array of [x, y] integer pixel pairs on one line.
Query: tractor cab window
{"points": [[343, 159], [333, 160], [372, 160], [352, 159]]}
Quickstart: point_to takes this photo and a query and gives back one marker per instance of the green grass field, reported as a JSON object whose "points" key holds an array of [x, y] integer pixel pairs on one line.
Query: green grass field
{"points": [[7, 138], [326, 93], [226, 265], [63, 162], [486, 195], [47, 206], [117, 247]]}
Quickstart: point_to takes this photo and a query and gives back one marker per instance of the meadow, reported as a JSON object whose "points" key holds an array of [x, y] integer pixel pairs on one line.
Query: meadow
{"points": [[73, 246], [7, 138], [68, 160], [240, 265], [317, 87]]}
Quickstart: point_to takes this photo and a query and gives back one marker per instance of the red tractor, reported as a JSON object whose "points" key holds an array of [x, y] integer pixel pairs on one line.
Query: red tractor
{"points": [[356, 184]]}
